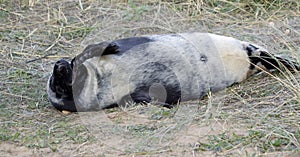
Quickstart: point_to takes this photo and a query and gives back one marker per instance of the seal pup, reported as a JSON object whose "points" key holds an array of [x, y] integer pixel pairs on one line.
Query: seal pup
{"points": [[165, 69]]}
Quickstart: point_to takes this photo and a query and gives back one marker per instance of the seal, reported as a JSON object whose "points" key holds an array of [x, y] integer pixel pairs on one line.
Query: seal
{"points": [[163, 69]]}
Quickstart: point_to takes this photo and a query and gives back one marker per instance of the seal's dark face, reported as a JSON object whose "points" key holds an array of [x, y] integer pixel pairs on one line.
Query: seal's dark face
{"points": [[60, 86]]}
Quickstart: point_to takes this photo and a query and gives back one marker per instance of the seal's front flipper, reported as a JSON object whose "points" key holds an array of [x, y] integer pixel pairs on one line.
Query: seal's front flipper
{"points": [[94, 50], [112, 48], [118, 47]]}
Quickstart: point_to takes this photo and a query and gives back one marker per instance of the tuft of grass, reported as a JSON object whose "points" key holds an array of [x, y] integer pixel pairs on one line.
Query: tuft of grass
{"points": [[257, 9], [141, 130], [276, 141], [135, 11], [79, 32], [37, 134], [162, 113]]}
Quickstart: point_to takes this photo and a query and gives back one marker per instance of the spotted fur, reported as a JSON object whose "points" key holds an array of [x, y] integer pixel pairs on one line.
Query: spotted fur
{"points": [[164, 69]]}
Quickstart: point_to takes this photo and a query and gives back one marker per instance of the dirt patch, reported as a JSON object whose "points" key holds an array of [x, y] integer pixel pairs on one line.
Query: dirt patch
{"points": [[9, 149]]}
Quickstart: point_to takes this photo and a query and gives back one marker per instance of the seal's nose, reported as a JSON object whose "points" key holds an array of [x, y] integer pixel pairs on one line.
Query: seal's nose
{"points": [[61, 62], [62, 68]]}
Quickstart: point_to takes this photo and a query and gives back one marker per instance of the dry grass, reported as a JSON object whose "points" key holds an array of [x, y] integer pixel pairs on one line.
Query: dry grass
{"points": [[258, 117]]}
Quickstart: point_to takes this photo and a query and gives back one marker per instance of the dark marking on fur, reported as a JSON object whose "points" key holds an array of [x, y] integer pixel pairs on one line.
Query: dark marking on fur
{"points": [[152, 74], [254, 60], [250, 49]]}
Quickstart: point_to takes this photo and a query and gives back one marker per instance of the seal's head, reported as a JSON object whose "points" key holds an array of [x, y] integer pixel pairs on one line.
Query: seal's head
{"points": [[59, 86]]}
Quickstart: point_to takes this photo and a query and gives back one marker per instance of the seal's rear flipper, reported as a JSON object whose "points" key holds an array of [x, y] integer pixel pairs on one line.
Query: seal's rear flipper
{"points": [[264, 60], [271, 62]]}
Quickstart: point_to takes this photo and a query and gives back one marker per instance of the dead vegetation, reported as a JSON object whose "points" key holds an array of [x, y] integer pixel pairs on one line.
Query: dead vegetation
{"points": [[258, 117]]}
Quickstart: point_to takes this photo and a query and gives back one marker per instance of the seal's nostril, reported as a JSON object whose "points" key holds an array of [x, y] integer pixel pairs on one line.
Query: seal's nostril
{"points": [[58, 62]]}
